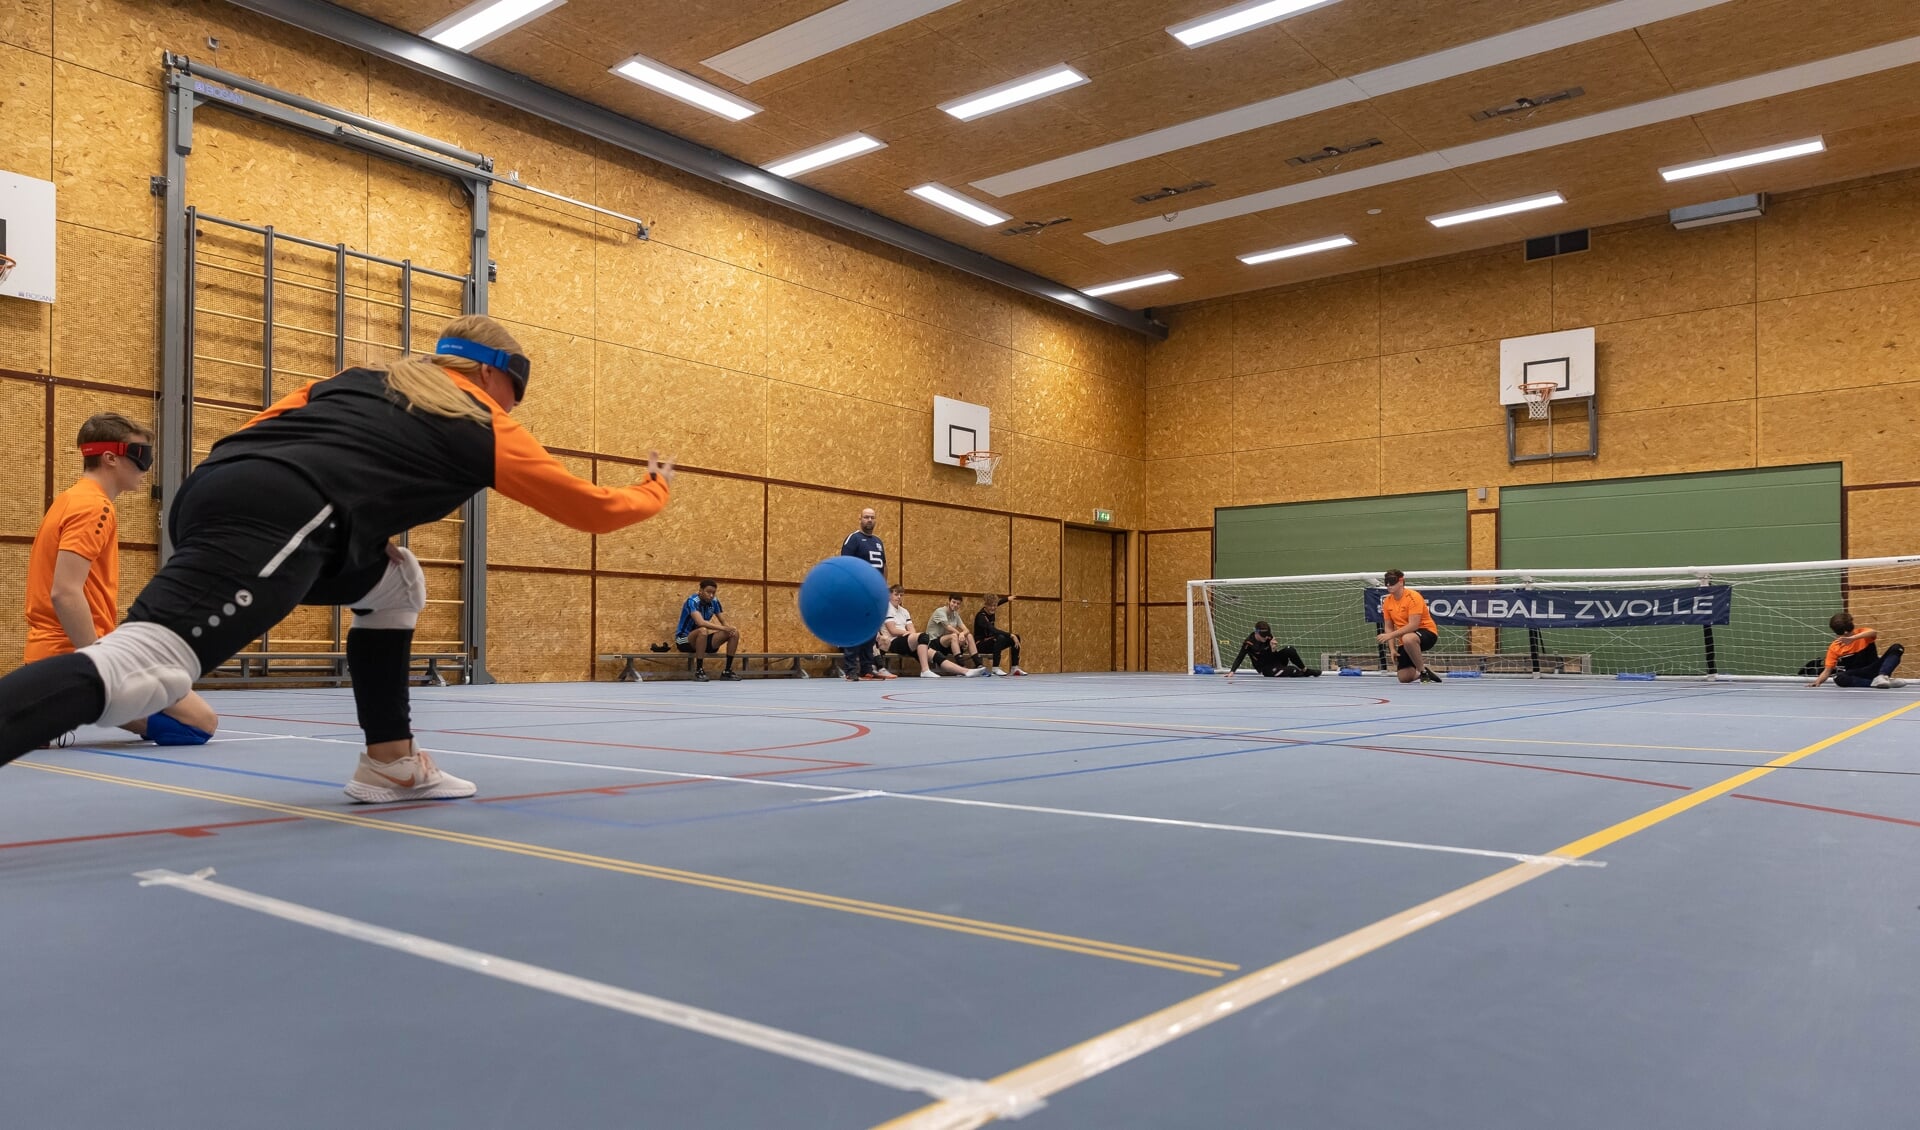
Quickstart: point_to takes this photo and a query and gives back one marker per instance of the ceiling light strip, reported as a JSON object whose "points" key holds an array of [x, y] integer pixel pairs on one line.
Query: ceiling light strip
{"points": [[1130, 284], [940, 196], [1232, 21], [1745, 159], [1492, 211], [684, 87], [820, 156], [1018, 92], [1887, 56], [1608, 19], [819, 34], [479, 24], [1294, 251]]}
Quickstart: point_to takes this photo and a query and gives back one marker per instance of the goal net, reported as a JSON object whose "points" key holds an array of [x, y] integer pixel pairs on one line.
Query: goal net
{"points": [[1710, 621]]}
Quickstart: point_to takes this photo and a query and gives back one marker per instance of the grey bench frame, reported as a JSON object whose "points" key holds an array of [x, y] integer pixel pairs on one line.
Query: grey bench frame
{"points": [[257, 667], [744, 668]]}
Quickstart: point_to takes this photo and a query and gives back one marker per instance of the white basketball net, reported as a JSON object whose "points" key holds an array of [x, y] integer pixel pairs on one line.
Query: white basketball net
{"points": [[982, 463], [1539, 397]]}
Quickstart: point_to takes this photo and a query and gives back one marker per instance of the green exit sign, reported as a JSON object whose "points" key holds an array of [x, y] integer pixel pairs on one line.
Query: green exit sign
{"points": [[1103, 517]]}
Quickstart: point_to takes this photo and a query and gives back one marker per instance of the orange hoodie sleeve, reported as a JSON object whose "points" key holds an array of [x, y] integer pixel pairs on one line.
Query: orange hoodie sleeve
{"points": [[527, 473]]}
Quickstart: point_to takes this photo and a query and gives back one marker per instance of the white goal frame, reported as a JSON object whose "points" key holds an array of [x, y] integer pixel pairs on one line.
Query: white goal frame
{"points": [[1496, 580]]}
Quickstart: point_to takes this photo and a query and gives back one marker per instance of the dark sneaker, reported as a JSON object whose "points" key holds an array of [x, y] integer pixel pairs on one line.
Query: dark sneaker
{"points": [[729, 677], [699, 676], [1429, 675]]}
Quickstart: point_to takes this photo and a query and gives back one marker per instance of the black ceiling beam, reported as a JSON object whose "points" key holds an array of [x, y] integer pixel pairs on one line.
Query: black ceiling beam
{"points": [[521, 93]]}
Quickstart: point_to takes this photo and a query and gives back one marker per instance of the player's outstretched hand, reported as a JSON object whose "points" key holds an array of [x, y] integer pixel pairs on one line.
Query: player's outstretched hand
{"points": [[655, 466]]}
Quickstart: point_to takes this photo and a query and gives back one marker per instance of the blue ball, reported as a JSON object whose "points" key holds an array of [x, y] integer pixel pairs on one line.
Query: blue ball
{"points": [[843, 600]]}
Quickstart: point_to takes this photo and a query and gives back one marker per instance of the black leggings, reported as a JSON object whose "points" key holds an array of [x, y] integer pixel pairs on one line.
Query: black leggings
{"points": [[1863, 676], [993, 643], [252, 541]]}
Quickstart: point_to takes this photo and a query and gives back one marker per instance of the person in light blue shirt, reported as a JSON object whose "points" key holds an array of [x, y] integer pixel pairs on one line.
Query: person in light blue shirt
{"points": [[703, 629]]}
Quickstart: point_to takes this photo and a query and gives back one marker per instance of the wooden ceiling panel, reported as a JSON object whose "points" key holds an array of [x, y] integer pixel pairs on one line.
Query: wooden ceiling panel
{"points": [[1748, 37], [891, 83], [941, 147], [1838, 106], [1027, 37], [1179, 86], [1862, 151], [1359, 35], [921, 72], [1257, 160], [1614, 71]]}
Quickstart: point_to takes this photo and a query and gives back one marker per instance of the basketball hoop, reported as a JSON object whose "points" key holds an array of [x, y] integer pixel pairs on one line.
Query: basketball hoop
{"points": [[6, 267], [1539, 396], [983, 463]]}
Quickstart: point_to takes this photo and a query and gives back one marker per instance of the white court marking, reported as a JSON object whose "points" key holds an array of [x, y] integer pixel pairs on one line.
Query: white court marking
{"points": [[821, 1053], [843, 793]]}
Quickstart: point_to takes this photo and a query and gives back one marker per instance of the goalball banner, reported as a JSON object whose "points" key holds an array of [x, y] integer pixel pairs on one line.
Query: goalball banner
{"points": [[1571, 608]]}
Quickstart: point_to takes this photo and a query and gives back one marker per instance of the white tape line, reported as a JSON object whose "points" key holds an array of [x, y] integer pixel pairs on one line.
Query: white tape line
{"points": [[845, 793], [976, 1094]]}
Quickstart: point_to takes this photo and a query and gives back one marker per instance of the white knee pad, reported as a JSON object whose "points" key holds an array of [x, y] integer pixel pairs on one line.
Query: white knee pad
{"points": [[396, 602], [144, 667]]}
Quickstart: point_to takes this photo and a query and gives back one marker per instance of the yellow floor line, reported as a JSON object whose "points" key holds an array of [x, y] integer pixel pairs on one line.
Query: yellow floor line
{"points": [[1029, 1086], [1113, 951]]}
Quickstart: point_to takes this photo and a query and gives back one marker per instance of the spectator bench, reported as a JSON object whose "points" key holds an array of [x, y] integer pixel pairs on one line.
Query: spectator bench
{"points": [[325, 667], [679, 664]]}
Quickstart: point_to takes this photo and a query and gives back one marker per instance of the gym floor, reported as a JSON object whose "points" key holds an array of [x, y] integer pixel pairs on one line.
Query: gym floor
{"points": [[1088, 901]]}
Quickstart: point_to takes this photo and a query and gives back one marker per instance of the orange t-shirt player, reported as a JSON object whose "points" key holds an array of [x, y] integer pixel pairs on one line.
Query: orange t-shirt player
{"points": [[1410, 629], [73, 571]]}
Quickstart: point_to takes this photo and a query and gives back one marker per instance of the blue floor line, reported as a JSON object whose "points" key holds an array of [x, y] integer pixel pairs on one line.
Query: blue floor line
{"points": [[204, 765]]}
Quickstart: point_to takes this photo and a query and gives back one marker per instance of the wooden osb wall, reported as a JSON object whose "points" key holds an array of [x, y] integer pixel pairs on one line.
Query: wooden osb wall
{"points": [[1786, 341], [789, 366]]}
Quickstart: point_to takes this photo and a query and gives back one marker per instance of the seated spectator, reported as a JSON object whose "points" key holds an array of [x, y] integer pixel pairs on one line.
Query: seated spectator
{"points": [[898, 637], [1268, 657], [703, 629], [1855, 660], [990, 639], [946, 630]]}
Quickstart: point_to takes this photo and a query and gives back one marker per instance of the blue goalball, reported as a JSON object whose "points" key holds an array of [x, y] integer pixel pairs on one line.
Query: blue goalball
{"points": [[843, 600]]}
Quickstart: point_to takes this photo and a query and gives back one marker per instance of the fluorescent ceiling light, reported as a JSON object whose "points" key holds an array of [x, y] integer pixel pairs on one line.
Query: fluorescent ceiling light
{"points": [[1289, 252], [820, 156], [1128, 284], [1039, 84], [1239, 18], [1742, 160], [685, 87], [820, 34], [477, 25], [1505, 208], [940, 196]]}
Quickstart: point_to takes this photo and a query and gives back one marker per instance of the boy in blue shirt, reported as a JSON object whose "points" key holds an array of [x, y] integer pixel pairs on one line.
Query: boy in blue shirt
{"points": [[702, 629]]}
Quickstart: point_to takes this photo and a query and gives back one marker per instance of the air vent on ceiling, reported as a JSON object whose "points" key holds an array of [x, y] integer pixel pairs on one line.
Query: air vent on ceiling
{"points": [[1547, 246], [1166, 192], [1528, 105], [1328, 153], [1725, 211], [1035, 227]]}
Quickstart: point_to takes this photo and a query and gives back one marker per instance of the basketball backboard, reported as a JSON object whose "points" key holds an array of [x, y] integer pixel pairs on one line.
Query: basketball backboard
{"points": [[959, 427], [1564, 358], [26, 237]]}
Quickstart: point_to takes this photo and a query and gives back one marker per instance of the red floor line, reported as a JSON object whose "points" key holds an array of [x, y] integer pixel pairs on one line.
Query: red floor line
{"points": [[1520, 765], [188, 831], [1824, 808]]}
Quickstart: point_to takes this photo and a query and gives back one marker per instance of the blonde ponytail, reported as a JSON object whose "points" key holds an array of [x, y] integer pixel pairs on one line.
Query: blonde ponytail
{"points": [[422, 382]]}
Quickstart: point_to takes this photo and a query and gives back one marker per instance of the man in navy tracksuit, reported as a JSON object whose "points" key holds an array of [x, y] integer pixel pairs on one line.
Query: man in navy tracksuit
{"points": [[863, 544]]}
